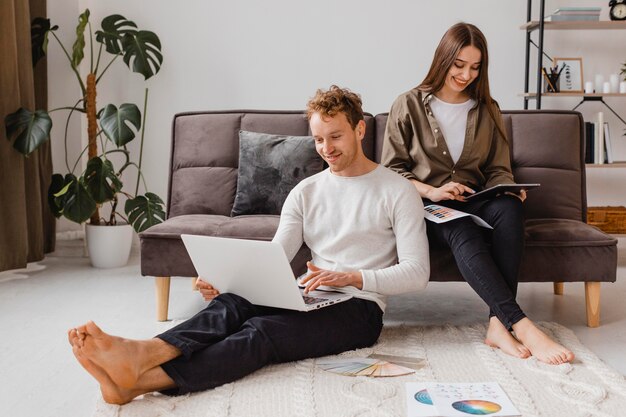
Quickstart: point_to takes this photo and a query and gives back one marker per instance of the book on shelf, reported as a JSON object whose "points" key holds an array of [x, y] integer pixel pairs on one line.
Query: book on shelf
{"points": [[572, 18], [608, 157], [587, 10], [568, 14], [589, 143], [593, 147]]}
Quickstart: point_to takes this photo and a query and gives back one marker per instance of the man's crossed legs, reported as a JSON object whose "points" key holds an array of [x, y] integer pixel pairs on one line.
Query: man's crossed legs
{"points": [[227, 340]]}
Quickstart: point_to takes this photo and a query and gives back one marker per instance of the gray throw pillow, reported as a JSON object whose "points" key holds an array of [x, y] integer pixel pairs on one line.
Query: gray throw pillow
{"points": [[269, 167]]}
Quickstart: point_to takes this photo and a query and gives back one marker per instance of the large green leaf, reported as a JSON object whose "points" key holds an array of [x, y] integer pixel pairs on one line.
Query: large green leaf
{"points": [[100, 180], [145, 211], [116, 123], [114, 28], [31, 129], [79, 45], [56, 185], [74, 201], [142, 52], [39, 29]]}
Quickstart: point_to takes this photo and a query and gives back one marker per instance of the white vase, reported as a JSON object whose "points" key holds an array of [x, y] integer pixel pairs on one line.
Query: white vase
{"points": [[109, 246]]}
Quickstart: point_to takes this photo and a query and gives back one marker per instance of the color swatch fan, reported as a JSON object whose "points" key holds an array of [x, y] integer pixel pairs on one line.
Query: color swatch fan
{"points": [[363, 367]]}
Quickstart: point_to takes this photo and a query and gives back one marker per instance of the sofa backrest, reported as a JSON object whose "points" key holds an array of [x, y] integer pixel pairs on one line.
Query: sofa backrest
{"points": [[547, 147], [205, 154]]}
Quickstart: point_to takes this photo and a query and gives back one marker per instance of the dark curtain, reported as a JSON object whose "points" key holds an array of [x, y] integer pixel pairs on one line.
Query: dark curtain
{"points": [[27, 228]]}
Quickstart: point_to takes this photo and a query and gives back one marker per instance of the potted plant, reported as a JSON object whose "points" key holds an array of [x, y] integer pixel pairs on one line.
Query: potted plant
{"points": [[79, 196]]}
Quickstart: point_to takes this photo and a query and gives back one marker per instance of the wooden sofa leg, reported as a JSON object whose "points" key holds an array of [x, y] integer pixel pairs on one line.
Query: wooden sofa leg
{"points": [[592, 299], [162, 296], [558, 288]]}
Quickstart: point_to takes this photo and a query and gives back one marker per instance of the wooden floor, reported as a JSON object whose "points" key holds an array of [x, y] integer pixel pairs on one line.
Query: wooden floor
{"points": [[39, 376]]}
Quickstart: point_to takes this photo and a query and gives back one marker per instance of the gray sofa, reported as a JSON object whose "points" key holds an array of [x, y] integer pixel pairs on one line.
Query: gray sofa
{"points": [[547, 147]]}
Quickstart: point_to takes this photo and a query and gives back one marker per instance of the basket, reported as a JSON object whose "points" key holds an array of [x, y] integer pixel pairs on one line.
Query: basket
{"points": [[608, 219]]}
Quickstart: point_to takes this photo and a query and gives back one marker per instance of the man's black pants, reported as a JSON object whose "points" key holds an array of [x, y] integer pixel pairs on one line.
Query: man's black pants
{"points": [[232, 338]]}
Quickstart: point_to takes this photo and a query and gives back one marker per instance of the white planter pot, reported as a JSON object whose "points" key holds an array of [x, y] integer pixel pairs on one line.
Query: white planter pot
{"points": [[109, 246]]}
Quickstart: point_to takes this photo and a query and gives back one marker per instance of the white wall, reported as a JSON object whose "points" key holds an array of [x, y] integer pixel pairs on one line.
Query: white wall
{"points": [[274, 54]]}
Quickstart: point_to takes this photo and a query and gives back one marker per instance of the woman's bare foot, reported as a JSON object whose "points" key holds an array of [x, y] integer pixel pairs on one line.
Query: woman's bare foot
{"points": [[540, 344], [111, 393], [499, 337], [117, 357]]}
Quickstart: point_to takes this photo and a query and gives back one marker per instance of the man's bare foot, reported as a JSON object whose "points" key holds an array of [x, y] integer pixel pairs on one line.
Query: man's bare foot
{"points": [[499, 337], [118, 358], [540, 344], [111, 393]]}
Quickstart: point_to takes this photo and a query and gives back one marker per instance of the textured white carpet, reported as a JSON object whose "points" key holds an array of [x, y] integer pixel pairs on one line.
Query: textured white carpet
{"points": [[453, 354]]}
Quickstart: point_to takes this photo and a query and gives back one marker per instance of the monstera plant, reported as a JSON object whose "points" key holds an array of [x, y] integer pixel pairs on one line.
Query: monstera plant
{"points": [[79, 196]]}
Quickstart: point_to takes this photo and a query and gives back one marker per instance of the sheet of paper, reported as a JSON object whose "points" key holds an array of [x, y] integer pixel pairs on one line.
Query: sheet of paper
{"points": [[466, 399], [419, 403], [440, 214]]}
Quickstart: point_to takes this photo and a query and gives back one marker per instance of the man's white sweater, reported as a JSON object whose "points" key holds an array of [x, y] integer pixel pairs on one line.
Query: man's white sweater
{"points": [[373, 223]]}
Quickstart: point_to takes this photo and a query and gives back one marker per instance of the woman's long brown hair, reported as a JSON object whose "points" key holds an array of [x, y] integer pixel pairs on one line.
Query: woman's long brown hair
{"points": [[456, 38]]}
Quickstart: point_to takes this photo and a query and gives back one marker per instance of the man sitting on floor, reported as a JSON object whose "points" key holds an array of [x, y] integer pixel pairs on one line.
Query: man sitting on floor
{"points": [[365, 227]]}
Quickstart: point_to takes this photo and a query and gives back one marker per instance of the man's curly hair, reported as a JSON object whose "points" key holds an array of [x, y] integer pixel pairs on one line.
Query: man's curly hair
{"points": [[336, 100]]}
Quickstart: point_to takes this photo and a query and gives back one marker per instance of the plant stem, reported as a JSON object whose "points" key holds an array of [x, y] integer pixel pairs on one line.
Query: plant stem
{"points": [[106, 68], [113, 207], [68, 108], [80, 81], [98, 61], [125, 152], [79, 157], [143, 131], [90, 47], [67, 123], [139, 175]]}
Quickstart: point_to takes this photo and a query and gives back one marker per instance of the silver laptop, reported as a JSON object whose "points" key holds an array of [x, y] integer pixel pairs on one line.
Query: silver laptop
{"points": [[255, 270]]}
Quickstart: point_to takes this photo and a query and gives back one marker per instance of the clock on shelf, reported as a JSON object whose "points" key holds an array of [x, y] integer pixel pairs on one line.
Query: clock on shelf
{"points": [[617, 9]]}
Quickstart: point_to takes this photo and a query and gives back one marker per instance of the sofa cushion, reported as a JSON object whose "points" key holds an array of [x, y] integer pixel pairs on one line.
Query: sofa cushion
{"points": [[163, 250], [259, 227], [565, 232], [269, 167], [556, 250]]}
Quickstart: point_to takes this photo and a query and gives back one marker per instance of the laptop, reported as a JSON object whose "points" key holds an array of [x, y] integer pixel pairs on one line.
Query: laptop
{"points": [[255, 270]]}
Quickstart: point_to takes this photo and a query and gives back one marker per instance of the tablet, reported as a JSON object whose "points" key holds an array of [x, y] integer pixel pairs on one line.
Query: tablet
{"points": [[499, 189]]}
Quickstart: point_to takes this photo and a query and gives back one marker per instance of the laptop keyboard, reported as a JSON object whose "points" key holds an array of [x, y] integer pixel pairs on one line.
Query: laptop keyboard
{"points": [[313, 300]]}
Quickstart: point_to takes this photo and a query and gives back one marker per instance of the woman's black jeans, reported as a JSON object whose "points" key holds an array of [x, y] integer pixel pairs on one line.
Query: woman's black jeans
{"points": [[490, 269]]}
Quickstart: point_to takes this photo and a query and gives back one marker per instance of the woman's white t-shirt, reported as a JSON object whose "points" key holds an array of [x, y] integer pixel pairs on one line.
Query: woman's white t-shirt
{"points": [[452, 119]]}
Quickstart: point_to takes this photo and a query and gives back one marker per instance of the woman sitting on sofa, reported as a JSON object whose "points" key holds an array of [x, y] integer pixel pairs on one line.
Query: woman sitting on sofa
{"points": [[447, 137]]}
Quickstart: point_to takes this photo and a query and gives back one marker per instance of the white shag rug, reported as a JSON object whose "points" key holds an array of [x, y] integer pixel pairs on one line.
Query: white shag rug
{"points": [[453, 354]]}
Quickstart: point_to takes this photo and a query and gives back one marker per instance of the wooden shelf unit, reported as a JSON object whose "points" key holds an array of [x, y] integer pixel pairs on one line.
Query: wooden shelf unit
{"points": [[573, 94], [541, 26], [575, 25]]}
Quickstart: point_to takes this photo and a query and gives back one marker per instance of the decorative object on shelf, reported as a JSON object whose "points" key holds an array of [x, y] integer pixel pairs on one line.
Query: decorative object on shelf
{"points": [[614, 81], [623, 71], [79, 196], [571, 79], [589, 87], [552, 78], [622, 87], [617, 9], [599, 80]]}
